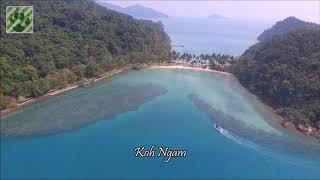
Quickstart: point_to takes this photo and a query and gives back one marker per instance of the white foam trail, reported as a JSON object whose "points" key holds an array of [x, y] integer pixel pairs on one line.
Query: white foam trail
{"points": [[249, 144], [241, 141]]}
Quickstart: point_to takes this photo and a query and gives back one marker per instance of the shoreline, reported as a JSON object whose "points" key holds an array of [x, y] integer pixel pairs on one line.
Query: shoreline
{"points": [[277, 119], [31, 101], [55, 92], [263, 108], [175, 66]]}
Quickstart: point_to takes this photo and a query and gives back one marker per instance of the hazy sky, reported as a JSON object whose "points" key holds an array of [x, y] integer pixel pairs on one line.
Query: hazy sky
{"points": [[256, 10]]}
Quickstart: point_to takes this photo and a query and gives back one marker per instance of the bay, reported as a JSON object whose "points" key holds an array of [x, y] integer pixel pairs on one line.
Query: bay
{"points": [[106, 148]]}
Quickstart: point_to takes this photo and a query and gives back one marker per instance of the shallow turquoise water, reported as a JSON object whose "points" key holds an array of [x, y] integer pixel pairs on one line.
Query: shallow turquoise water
{"points": [[106, 148]]}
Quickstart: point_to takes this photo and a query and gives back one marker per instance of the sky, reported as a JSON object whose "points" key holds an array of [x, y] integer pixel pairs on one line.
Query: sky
{"points": [[246, 10]]}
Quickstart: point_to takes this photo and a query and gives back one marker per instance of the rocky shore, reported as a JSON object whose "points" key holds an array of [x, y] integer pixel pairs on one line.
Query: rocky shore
{"points": [[306, 130]]}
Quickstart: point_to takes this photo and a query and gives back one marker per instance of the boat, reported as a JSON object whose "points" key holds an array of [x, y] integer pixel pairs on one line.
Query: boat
{"points": [[219, 128]]}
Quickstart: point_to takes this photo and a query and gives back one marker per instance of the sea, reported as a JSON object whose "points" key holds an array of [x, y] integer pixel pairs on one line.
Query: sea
{"points": [[251, 144], [207, 35]]}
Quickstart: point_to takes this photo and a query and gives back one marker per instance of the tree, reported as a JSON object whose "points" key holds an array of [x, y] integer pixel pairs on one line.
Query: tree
{"points": [[26, 73], [4, 101], [92, 70], [79, 70], [77, 35], [285, 73]]}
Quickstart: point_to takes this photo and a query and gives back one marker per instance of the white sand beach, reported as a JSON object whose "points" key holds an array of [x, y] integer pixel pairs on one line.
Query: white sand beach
{"points": [[191, 68]]}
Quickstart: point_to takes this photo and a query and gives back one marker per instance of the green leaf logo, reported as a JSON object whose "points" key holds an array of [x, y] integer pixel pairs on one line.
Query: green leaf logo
{"points": [[19, 19]]}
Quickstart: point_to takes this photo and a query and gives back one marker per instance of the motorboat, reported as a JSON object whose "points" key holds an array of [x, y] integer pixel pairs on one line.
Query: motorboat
{"points": [[219, 128]]}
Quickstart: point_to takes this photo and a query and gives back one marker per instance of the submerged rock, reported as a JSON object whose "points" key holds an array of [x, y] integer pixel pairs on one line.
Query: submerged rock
{"points": [[308, 130], [75, 110], [239, 128]]}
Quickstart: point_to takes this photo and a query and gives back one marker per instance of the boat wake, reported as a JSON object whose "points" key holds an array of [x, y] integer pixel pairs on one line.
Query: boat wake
{"points": [[240, 140], [256, 147]]}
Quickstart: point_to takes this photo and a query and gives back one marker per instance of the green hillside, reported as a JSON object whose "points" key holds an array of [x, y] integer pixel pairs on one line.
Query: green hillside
{"points": [[284, 26], [285, 73], [73, 39]]}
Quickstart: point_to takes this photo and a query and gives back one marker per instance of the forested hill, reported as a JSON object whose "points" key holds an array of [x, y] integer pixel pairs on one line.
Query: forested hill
{"points": [[73, 39], [284, 26], [285, 73]]}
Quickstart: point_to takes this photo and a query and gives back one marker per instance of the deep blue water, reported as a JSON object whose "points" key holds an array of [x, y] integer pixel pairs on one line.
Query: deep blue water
{"points": [[106, 148], [205, 35]]}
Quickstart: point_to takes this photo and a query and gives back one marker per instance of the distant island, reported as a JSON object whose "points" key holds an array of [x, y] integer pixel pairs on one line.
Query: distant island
{"points": [[137, 11], [285, 26], [284, 71], [218, 17]]}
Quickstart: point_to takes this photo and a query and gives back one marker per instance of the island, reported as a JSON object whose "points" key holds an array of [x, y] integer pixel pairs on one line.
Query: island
{"points": [[136, 11]]}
